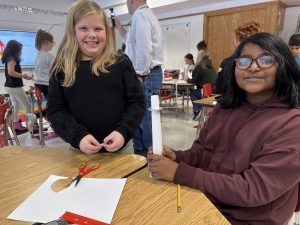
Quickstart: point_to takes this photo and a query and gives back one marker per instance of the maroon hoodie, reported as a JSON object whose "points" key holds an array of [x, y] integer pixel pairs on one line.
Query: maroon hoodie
{"points": [[246, 161]]}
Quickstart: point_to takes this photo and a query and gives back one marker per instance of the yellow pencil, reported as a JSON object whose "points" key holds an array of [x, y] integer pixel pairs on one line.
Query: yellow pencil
{"points": [[178, 198]]}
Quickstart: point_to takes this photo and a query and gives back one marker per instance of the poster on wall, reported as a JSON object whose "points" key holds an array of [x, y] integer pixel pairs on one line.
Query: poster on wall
{"points": [[27, 39]]}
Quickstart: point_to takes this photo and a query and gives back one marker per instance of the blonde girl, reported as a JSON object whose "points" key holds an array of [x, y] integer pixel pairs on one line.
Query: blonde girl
{"points": [[95, 101]]}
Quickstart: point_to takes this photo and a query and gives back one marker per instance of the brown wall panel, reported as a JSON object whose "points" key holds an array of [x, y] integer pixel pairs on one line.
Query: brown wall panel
{"points": [[219, 26]]}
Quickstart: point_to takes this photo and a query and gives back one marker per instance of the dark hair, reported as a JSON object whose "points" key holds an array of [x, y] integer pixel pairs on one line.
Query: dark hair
{"points": [[190, 57], [294, 40], [12, 48], [201, 45], [287, 80], [42, 37]]}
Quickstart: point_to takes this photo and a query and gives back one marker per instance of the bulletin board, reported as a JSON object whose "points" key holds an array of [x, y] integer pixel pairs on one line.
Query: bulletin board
{"points": [[176, 39]]}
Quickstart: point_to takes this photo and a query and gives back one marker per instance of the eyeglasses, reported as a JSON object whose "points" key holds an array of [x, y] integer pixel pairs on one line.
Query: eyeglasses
{"points": [[263, 62]]}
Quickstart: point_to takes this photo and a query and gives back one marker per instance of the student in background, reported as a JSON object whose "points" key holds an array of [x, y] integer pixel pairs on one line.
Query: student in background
{"points": [[188, 68], [95, 100], [243, 31], [44, 42], [203, 73], [144, 46], [246, 158], [201, 46], [294, 44], [14, 83]]}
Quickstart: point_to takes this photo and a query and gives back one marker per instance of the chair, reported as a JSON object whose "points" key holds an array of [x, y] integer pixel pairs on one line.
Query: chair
{"points": [[207, 90], [2, 98], [36, 97], [7, 132], [165, 94]]}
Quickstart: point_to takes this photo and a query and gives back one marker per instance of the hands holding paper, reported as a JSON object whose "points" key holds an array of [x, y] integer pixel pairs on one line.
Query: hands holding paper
{"points": [[163, 166], [113, 142], [89, 144]]}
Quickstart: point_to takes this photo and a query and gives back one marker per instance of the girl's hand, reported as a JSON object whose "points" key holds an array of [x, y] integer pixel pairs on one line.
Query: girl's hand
{"points": [[89, 144], [161, 167], [27, 77], [167, 152], [113, 141]]}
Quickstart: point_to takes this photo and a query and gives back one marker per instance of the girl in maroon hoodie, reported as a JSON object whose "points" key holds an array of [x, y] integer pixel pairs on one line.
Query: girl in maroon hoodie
{"points": [[246, 159]]}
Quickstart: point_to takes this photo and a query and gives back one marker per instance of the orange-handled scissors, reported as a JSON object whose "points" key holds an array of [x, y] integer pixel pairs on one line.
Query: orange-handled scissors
{"points": [[83, 171]]}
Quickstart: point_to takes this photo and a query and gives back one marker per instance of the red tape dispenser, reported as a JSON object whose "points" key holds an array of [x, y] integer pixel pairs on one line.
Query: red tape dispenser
{"points": [[80, 220]]}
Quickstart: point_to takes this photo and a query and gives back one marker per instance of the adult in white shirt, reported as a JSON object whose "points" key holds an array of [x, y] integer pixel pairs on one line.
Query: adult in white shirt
{"points": [[144, 47]]}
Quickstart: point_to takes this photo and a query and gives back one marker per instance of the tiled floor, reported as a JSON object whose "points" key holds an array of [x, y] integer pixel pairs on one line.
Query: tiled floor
{"points": [[178, 133]]}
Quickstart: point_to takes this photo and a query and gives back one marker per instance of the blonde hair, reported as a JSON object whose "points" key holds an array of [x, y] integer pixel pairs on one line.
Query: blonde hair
{"points": [[42, 37], [203, 59], [247, 29], [68, 55]]}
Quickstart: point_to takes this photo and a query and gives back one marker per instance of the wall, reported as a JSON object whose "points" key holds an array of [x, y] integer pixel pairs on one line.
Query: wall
{"points": [[290, 22], [195, 36]]}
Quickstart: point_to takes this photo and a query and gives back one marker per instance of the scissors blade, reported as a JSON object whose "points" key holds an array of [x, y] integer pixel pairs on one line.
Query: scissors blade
{"points": [[77, 180]]}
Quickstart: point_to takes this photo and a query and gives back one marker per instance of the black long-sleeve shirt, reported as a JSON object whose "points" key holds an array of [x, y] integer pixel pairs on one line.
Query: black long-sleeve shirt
{"points": [[96, 105]]}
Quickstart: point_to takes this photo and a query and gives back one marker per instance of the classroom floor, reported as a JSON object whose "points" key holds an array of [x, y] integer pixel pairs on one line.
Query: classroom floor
{"points": [[178, 132]]}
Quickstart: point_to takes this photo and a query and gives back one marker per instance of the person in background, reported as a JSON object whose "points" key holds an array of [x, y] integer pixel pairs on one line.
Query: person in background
{"points": [[188, 68], [14, 83], [201, 46], [294, 44], [95, 101], [203, 73], [243, 31], [144, 46], [44, 42], [246, 158]]}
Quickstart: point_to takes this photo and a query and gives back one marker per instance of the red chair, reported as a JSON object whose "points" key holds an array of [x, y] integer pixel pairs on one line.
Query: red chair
{"points": [[7, 132], [207, 90], [168, 94], [2, 98], [36, 97]]}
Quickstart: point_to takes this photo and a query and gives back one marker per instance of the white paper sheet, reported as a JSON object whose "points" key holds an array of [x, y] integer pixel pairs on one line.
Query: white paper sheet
{"points": [[156, 125], [93, 198]]}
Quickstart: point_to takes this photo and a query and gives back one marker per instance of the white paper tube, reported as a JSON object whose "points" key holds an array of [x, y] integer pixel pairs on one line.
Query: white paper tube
{"points": [[156, 126]]}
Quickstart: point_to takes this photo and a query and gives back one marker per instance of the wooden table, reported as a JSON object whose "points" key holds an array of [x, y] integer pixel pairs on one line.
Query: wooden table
{"points": [[143, 200], [180, 84]]}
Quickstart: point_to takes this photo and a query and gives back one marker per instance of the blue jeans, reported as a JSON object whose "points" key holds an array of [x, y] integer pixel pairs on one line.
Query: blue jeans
{"points": [[142, 139], [195, 95]]}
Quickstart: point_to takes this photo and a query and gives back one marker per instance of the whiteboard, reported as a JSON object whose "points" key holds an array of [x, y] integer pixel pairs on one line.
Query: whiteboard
{"points": [[176, 40]]}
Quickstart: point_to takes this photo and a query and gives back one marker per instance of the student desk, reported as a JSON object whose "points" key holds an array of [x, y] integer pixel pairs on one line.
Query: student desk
{"points": [[206, 103], [143, 200], [183, 85]]}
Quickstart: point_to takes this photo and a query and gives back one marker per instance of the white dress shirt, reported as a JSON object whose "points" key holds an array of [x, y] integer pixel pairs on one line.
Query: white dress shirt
{"points": [[144, 41]]}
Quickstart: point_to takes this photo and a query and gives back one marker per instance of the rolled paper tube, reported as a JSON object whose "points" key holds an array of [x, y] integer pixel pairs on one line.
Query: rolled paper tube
{"points": [[156, 126]]}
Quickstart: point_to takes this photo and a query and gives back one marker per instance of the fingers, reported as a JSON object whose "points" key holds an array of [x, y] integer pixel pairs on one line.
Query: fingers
{"points": [[154, 157], [89, 145], [113, 141]]}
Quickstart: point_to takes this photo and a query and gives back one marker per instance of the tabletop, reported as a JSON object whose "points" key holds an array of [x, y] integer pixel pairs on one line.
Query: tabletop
{"points": [[143, 201], [207, 102], [177, 82]]}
